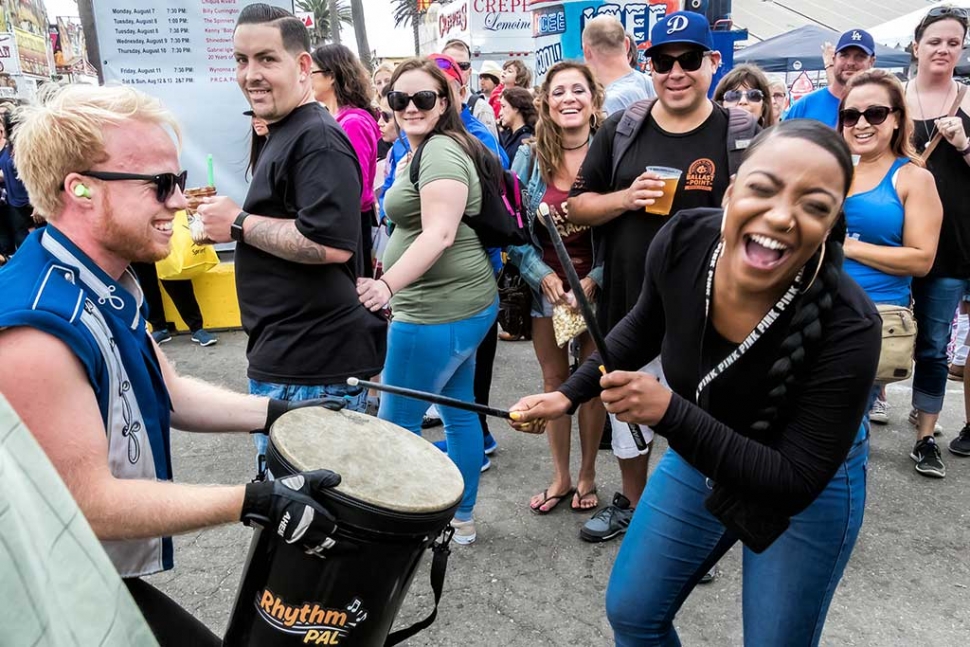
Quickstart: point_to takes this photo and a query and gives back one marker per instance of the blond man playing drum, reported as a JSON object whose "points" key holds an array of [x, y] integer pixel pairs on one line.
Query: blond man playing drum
{"points": [[79, 366]]}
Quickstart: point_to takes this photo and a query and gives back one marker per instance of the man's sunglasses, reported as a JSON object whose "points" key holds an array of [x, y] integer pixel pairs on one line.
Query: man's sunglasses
{"points": [[423, 100], [874, 115], [165, 183], [689, 61], [754, 95]]}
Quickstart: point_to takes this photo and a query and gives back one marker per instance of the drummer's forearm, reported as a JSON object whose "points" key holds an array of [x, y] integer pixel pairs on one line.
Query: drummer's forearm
{"points": [[203, 407], [138, 509]]}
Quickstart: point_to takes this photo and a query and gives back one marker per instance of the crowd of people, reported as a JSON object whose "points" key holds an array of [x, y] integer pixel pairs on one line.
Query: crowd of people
{"points": [[743, 321]]}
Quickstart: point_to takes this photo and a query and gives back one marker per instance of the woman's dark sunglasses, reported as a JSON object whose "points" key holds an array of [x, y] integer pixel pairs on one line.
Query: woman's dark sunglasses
{"points": [[874, 115], [165, 183], [689, 61], [423, 100], [387, 116], [946, 11], [754, 96]]}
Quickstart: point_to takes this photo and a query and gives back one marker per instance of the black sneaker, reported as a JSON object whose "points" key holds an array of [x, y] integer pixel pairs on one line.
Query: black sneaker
{"points": [[610, 522], [926, 453], [961, 444]]}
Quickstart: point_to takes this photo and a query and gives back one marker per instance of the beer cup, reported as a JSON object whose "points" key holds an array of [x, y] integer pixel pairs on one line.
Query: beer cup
{"points": [[670, 178]]}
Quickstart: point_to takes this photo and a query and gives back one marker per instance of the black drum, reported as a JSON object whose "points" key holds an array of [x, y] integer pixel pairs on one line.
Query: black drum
{"points": [[397, 497]]}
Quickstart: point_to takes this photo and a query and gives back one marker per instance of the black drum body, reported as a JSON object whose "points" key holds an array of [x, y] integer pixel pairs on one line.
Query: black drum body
{"points": [[351, 594]]}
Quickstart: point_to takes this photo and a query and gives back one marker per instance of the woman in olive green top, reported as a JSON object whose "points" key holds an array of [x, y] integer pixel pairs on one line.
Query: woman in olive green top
{"points": [[437, 275]]}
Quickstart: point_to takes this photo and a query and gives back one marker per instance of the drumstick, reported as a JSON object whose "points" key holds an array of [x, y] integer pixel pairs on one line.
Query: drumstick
{"points": [[584, 308], [443, 400]]}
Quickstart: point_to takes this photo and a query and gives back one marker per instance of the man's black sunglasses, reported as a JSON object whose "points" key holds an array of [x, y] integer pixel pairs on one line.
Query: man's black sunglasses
{"points": [[464, 66], [874, 115], [423, 100], [689, 61], [165, 183]]}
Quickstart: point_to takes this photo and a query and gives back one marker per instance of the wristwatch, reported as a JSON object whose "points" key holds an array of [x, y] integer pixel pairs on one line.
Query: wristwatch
{"points": [[236, 230]]}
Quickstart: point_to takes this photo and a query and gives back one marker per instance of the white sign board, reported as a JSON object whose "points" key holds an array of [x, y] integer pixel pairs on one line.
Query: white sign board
{"points": [[181, 52], [9, 58], [501, 27]]}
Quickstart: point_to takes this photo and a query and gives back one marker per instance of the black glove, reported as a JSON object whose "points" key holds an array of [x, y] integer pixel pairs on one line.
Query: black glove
{"points": [[289, 508], [277, 408]]}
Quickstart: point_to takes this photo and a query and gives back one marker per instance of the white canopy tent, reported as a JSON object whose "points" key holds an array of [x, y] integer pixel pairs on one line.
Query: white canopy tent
{"points": [[899, 31]]}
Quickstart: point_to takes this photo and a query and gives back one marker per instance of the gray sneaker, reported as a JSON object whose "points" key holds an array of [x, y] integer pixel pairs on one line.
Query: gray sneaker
{"points": [[610, 522]]}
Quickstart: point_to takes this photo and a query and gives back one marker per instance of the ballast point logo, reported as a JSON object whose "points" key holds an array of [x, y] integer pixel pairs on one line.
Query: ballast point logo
{"points": [[317, 625]]}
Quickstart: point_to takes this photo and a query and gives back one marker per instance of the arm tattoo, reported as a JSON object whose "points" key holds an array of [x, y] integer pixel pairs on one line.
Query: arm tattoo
{"points": [[282, 238]]}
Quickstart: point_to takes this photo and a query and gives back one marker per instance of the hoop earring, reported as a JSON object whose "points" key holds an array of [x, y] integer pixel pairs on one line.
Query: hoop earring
{"points": [[821, 259]]}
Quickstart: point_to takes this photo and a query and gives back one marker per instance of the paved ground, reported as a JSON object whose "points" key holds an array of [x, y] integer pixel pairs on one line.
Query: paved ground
{"points": [[530, 581]]}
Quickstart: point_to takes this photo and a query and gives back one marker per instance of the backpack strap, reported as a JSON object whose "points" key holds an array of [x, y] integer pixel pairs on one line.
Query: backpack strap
{"points": [[414, 169], [626, 131], [742, 128], [474, 99]]}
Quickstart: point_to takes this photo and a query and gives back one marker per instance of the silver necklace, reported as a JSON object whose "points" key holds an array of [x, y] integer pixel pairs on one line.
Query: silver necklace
{"points": [[929, 133]]}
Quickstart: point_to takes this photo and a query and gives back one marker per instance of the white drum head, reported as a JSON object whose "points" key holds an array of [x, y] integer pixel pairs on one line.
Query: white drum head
{"points": [[380, 463]]}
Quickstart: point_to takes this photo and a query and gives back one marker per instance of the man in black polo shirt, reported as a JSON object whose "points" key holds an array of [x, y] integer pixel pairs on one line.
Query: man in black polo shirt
{"points": [[683, 130], [299, 229]]}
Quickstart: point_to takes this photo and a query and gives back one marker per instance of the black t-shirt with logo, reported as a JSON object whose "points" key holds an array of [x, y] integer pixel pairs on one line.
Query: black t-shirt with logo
{"points": [[305, 323], [701, 154]]}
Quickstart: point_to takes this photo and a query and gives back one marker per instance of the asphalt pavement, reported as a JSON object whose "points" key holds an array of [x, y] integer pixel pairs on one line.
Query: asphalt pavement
{"points": [[530, 580]]}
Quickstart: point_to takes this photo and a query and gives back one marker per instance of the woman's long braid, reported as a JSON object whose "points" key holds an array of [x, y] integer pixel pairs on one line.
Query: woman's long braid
{"points": [[804, 332]]}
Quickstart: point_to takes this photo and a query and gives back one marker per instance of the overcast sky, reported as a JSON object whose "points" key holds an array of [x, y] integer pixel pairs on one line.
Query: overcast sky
{"points": [[381, 32]]}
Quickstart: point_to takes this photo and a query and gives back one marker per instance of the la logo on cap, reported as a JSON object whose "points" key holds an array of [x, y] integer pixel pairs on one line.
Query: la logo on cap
{"points": [[677, 23], [856, 36]]}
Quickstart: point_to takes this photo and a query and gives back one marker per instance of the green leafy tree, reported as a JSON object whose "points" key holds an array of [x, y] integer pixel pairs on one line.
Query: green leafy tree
{"points": [[321, 17], [406, 13]]}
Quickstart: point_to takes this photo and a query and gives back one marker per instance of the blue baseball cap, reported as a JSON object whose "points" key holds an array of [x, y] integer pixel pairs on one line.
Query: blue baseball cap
{"points": [[856, 38], [684, 27]]}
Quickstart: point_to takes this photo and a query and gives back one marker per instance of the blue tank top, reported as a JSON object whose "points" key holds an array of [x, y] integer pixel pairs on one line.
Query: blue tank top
{"points": [[876, 217]]}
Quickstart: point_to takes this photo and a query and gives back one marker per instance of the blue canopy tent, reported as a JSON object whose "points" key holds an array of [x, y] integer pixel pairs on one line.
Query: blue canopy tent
{"points": [[801, 50]]}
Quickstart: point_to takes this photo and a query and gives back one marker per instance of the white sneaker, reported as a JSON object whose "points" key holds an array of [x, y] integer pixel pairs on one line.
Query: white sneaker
{"points": [[879, 413], [464, 532]]}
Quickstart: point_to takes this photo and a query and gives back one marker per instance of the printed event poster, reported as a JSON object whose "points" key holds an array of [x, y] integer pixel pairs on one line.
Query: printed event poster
{"points": [[27, 19], [558, 26], [180, 51]]}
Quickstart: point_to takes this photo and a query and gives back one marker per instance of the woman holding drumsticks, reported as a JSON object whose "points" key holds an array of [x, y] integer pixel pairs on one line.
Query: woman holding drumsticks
{"points": [[755, 323]]}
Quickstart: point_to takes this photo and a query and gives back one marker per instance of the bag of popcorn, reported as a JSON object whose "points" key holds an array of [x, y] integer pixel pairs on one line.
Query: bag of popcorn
{"points": [[567, 322]]}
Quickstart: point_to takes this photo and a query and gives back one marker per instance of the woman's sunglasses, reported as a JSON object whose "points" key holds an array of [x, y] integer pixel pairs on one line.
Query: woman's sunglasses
{"points": [[946, 11], [874, 115], [386, 116], [754, 95], [423, 100], [689, 61], [165, 183]]}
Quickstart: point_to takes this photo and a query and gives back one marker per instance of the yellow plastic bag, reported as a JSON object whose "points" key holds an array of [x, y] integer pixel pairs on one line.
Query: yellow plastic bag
{"points": [[186, 260]]}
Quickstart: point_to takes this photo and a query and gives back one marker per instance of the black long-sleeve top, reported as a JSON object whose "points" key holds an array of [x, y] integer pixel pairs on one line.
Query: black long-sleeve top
{"points": [[784, 469]]}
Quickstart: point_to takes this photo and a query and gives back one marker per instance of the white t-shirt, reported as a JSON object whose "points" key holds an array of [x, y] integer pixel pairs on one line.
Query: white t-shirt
{"points": [[626, 90]]}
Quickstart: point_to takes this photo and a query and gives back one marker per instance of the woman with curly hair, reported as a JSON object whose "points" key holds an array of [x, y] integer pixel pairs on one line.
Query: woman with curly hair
{"points": [[518, 118], [570, 103], [747, 87], [341, 84]]}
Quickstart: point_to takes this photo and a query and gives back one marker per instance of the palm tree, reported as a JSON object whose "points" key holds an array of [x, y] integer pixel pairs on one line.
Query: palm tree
{"points": [[321, 16], [407, 12], [333, 10], [360, 31]]}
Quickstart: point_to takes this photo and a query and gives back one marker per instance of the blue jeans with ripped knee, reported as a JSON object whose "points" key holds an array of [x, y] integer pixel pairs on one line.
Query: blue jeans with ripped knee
{"points": [[440, 358], [673, 540]]}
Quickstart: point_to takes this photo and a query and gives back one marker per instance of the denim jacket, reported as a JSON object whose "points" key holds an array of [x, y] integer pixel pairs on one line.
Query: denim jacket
{"points": [[528, 258]]}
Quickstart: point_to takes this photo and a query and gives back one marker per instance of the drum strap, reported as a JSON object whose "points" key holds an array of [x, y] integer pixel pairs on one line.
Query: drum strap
{"points": [[439, 565]]}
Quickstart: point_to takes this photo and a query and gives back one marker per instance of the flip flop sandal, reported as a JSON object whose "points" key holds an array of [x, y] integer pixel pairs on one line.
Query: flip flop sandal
{"points": [[546, 499], [584, 497]]}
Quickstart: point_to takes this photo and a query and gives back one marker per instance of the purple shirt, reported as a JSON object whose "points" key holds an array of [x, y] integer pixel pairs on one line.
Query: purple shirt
{"points": [[364, 133]]}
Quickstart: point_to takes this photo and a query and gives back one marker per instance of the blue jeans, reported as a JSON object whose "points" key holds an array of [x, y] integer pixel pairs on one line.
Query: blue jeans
{"points": [[355, 396], [673, 540], [935, 300], [440, 358]]}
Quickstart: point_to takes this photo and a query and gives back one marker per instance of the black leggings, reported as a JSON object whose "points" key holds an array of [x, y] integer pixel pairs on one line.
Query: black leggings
{"points": [[172, 625], [181, 292], [484, 361]]}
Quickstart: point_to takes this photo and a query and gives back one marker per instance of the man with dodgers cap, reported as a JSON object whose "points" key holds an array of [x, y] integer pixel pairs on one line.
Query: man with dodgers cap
{"points": [[854, 53], [684, 130]]}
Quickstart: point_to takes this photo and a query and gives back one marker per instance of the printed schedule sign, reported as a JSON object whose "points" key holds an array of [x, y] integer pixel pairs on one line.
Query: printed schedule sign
{"points": [[181, 52]]}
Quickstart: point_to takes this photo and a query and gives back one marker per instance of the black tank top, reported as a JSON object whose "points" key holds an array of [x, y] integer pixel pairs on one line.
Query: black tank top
{"points": [[952, 176]]}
